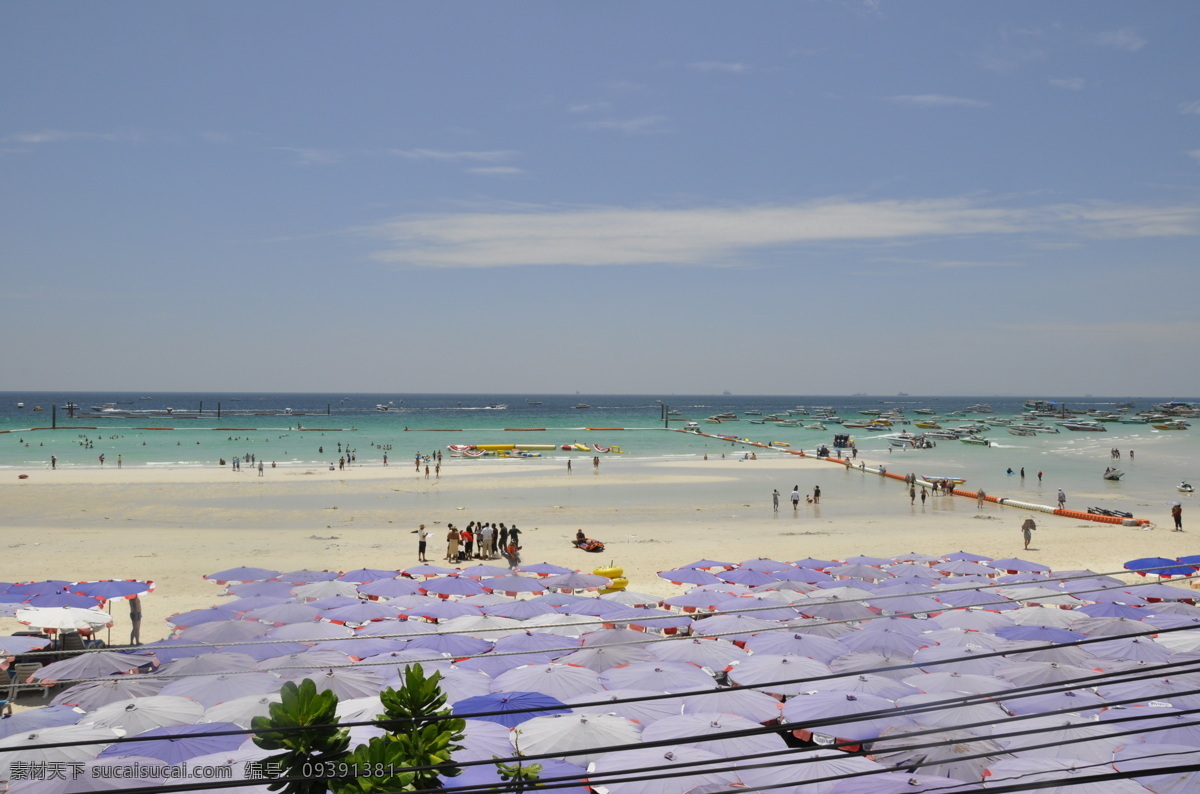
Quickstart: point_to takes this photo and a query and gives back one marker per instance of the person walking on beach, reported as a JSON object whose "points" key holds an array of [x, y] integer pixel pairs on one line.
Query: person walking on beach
{"points": [[1177, 516], [795, 498], [1027, 530], [568, 465], [816, 494], [53, 462], [1062, 499], [422, 539], [596, 464], [980, 498], [118, 461], [514, 537], [427, 471], [775, 499], [260, 468], [922, 497], [1039, 476], [912, 495], [452, 538], [101, 458], [1022, 472]]}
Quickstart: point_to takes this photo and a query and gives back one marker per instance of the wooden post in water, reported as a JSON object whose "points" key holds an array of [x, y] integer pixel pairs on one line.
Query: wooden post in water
{"points": [[53, 416]]}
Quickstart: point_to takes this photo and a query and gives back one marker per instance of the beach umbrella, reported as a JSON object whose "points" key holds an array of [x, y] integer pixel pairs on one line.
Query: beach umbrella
{"points": [[1137, 649], [29, 748], [975, 620], [746, 576], [1110, 609], [242, 711], [892, 665], [63, 618], [833, 608], [428, 569], [543, 569], [397, 661], [1158, 725], [703, 731], [348, 682], [171, 649], [487, 627], [92, 665], [1060, 736], [859, 571], [815, 564], [865, 559], [1036, 594], [889, 639], [44, 586], [658, 676], [482, 569], [798, 576], [632, 598], [483, 741], [238, 607], [814, 646], [361, 575], [762, 565], [959, 754], [604, 657], [709, 564], [1153, 592], [309, 632], [213, 689], [938, 658], [957, 596], [18, 645], [576, 580], [939, 710], [197, 617], [138, 715], [208, 662], [437, 609], [305, 576], [905, 605], [776, 674], [62, 598], [627, 703], [519, 610], [178, 743], [902, 783], [359, 647], [688, 576], [696, 599], [493, 666], [456, 645], [509, 709], [573, 737], [1157, 760], [872, 684], [283, 613], [768, 606], [269, 588], [713, 654], [965, 555], [834, 714], [651, 619], [912, 569], [595, 607], [564, 625], [513, 585], [1067, 776], [1039, 633], [390, 588], [755, 706], [1039, 673], [534, 641], [446, 586], [798, 768], [91, 695], [317, 590], [822, 627], [360, 613], [1044, 616], [302, 665], [950, 681], [1177, 642], [35, 719], [560, 681], [701, 770], [241, 574], [733, 626], [1158, 566], [228, 631]]}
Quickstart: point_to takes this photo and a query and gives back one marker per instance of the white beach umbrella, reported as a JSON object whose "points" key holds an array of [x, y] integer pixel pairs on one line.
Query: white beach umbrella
{"points": [[704, 730], [136, 715], [242, 711], [703, 769], [64, 618], [755, 706], [776, 674], [1068, 776], [573, 737], [658, 677], [1153, 759], [30, 748], [617, 701], [562, 681], [1060, 736], [959, 754], [796, 771]]}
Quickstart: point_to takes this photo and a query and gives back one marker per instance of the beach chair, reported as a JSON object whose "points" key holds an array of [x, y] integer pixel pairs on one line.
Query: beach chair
{"points": [[71, 644], [21, 681]]}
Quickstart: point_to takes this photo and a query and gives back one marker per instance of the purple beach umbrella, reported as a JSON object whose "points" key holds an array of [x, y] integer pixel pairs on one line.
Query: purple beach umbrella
{"points": [[509, 709], [242, 574]]}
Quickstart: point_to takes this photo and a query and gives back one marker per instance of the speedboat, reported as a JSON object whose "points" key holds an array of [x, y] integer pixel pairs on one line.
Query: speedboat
{"points": [[692, 426], [1185, 488], [1113, 474]]}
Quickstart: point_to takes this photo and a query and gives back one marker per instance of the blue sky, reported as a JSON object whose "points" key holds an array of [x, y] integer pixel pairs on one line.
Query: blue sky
{"points": [[627, 197]]}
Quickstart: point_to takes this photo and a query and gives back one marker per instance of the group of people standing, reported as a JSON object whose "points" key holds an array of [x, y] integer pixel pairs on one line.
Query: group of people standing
{"points": [[477, 541], [813, 499]]}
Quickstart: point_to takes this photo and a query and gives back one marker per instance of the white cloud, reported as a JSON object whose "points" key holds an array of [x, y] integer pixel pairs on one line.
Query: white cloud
{"points": [[1124, 39], [643, 124], [495, 156], [936, 100], [1068, 83], [497, 170], [1195, 155], [724, 236], [58, 136], [312, 156], [1190, 108], [721, 66]]}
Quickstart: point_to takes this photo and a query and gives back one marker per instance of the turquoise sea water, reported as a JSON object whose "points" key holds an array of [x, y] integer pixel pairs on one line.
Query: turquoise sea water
{"points": [[314, 429]]}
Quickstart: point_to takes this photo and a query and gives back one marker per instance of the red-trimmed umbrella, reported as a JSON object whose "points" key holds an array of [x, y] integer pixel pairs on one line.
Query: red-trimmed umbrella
{"points": [[776, 674], [447, 586], [242, 574], [138, 715], [658, 677], [561, 681], [703, 731], [831, 714], [701, 770]]}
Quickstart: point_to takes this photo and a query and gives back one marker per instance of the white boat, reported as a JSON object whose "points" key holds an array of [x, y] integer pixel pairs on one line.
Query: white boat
{"points": [[1184, 487], [692, 426], [382, 407], [815, 426], [983, 442], [20, 405], [1113, 474]]}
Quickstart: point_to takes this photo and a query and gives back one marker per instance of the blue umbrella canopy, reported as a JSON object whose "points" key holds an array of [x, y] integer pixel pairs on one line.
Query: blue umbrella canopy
{"points": [[241, 574], [114, 588], [176, 743], [1158, 566], [509, 709], [361, 575]]}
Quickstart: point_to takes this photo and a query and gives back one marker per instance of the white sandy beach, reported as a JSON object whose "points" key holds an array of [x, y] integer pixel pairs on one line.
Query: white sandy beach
{"points": [[173, 526]]}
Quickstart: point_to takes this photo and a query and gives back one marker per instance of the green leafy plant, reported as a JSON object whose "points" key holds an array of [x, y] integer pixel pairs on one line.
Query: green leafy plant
{"points": [[416, 752], [304, 726], [519, 777]]}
